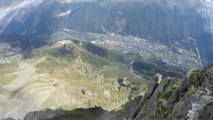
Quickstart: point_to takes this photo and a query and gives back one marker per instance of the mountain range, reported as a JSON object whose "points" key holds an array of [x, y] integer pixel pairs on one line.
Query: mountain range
{"points": [[96, 58], [164, 21]]}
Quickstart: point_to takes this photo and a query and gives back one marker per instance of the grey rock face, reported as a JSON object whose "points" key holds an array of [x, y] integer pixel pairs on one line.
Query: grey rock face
{"points": [[172, 99]]}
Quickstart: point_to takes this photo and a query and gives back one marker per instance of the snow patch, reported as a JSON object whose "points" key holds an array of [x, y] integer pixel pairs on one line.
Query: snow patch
{"points": [[64, 14]]}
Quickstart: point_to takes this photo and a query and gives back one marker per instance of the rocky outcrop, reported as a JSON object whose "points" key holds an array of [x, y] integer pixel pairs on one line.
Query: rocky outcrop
{"points": [[189, 98]]}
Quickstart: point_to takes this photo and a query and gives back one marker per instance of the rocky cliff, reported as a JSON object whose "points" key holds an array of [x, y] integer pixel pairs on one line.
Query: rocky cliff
{"points": [[189, 98]]}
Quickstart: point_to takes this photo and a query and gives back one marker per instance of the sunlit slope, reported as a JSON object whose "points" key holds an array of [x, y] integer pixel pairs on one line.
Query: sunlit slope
{"points": [[65, 74]]}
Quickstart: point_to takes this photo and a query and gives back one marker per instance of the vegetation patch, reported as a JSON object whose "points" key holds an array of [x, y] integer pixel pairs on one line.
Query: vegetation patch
{"points": [[195, 78], [6, 71]]}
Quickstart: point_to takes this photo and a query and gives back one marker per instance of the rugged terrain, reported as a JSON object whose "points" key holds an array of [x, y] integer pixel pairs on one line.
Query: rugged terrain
{"points": [[65, 75], [177, 99], [70, 70], [69, 74], [94, 59]]}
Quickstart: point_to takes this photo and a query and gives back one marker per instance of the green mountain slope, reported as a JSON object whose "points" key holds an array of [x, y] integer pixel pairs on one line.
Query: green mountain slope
{"points": [[65, 74]]}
